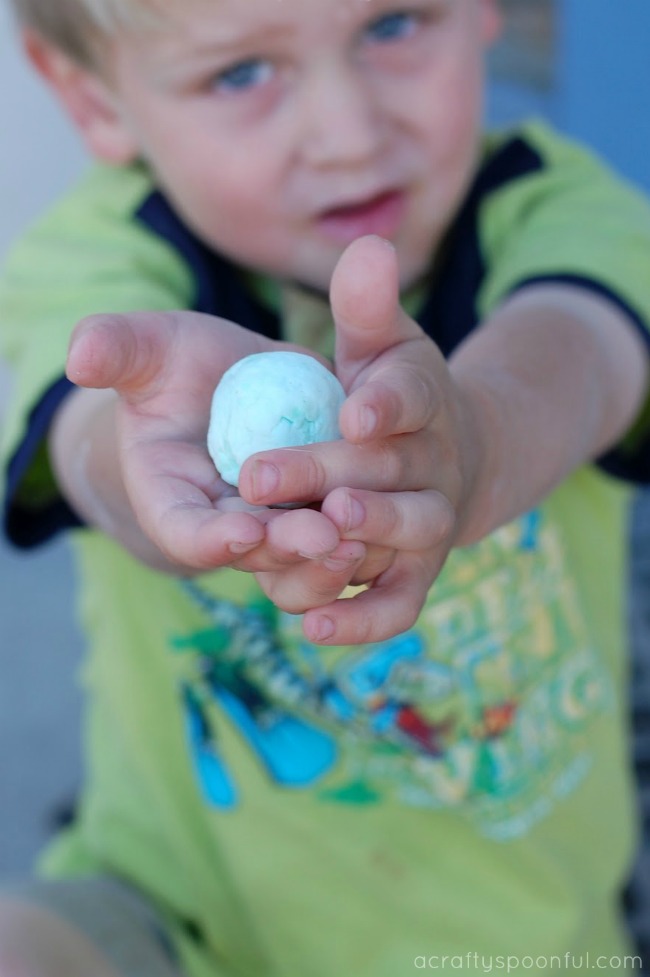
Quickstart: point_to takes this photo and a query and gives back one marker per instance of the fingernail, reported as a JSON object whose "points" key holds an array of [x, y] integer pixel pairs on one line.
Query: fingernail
{"points": [[307, 554], [266, 478], [356, 513], [240, 547], [336, 564], [368, 421], [321, 629]]}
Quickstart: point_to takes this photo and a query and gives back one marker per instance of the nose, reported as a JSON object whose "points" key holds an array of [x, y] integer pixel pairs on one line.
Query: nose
{"points": [[341, 121]]}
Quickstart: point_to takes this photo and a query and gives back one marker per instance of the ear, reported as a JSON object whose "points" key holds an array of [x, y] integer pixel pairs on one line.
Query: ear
{"points": [[85, 97], [492, 21]]}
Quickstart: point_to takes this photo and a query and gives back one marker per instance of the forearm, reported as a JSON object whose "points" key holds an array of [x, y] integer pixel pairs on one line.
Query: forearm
{"points": [[550, 382], [85, 459]]}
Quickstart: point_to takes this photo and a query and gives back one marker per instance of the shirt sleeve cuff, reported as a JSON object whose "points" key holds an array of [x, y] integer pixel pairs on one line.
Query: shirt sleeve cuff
{"points": [[630, 459], [27, 525]]}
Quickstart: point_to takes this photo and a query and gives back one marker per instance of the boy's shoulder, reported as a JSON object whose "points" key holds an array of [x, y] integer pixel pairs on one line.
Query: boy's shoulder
{"points": [[535, 164], [549, 144], [100, 204], [554, 206], [92, 233]]}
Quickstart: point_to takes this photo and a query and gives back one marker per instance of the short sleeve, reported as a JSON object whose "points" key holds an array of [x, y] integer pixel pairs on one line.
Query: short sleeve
{"points": [[573, 220], [87, 255]]}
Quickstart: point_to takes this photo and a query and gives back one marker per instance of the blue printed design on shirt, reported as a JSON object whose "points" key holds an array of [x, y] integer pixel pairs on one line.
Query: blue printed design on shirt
{"points": [[486, 706]]}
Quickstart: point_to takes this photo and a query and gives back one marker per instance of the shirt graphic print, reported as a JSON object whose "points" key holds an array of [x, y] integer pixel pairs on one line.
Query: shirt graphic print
{"points": [[485, 706]]}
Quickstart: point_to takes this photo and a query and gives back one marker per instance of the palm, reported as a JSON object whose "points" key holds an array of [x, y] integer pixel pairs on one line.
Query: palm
{"points": [[164, 367]]}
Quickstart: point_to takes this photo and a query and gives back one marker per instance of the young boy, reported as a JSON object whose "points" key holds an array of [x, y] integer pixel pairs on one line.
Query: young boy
{"points": [[429, 775]]}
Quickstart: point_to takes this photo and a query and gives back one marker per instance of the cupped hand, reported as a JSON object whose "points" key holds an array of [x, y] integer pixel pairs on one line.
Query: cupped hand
{"points": [[164, 367], [398, 480]]}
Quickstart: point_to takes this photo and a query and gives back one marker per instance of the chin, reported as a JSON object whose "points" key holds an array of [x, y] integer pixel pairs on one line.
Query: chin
{"points": [[411, 272], [315, 275]]}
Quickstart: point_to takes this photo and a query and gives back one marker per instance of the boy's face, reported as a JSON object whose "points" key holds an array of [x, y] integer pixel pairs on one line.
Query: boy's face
{"points": [[284, 129]]}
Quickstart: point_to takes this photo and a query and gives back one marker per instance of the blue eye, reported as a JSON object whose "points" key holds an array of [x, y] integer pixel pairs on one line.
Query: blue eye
{"points": [[392, 27], [245, 75]]}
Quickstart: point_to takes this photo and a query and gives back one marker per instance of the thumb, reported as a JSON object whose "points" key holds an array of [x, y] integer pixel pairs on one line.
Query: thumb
{"points": [[126, 352], [364, 296]]}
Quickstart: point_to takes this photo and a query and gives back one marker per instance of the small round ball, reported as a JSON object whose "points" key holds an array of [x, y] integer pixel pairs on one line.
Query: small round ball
{"points": [[271, 400]]}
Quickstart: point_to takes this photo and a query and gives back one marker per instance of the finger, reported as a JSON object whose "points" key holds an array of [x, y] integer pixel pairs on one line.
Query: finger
{"points": [[376, 561], [193, 535], [128, 353], [147, 353], [401, 520], [292, 537], [400, 396], [390, 607], [302, 533], [383, 358], [364, 296], [175, 494], [309, 473], [313, 583]]}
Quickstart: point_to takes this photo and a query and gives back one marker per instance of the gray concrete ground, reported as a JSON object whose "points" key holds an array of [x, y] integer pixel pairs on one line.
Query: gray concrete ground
{"points": [[39, 700], [39, 645]]}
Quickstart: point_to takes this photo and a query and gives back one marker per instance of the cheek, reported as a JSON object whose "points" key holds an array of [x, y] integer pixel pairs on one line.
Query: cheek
{"points": [[447, 106], [215, 192], [237, 214], [202, 169], [462, 95], [214, 181], [455, 135]]}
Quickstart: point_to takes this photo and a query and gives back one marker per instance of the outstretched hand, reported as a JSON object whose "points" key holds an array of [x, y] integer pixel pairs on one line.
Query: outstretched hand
{"points": [[164, 367], [397, 480], [380, 505], [430, 457]]}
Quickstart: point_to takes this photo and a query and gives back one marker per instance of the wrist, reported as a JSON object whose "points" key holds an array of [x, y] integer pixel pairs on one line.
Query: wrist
{"points": [[85, 459], [483, 497], [80, 443]]}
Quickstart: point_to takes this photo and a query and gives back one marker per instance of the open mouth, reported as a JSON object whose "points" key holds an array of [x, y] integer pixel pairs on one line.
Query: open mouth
{"points": [[381, 214]]}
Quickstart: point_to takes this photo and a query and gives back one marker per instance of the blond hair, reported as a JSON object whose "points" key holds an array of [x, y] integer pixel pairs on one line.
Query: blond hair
{"points": [[75, 26]]}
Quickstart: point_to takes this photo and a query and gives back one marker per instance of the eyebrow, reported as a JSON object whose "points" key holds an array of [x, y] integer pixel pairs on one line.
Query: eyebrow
{"points": [[258, 37]]}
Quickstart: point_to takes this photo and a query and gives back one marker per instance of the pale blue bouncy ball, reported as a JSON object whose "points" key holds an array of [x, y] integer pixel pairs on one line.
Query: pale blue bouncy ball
{"points": [[271, 400]]}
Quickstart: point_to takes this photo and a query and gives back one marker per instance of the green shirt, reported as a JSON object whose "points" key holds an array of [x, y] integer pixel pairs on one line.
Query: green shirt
{"points": [[461, 789]]}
